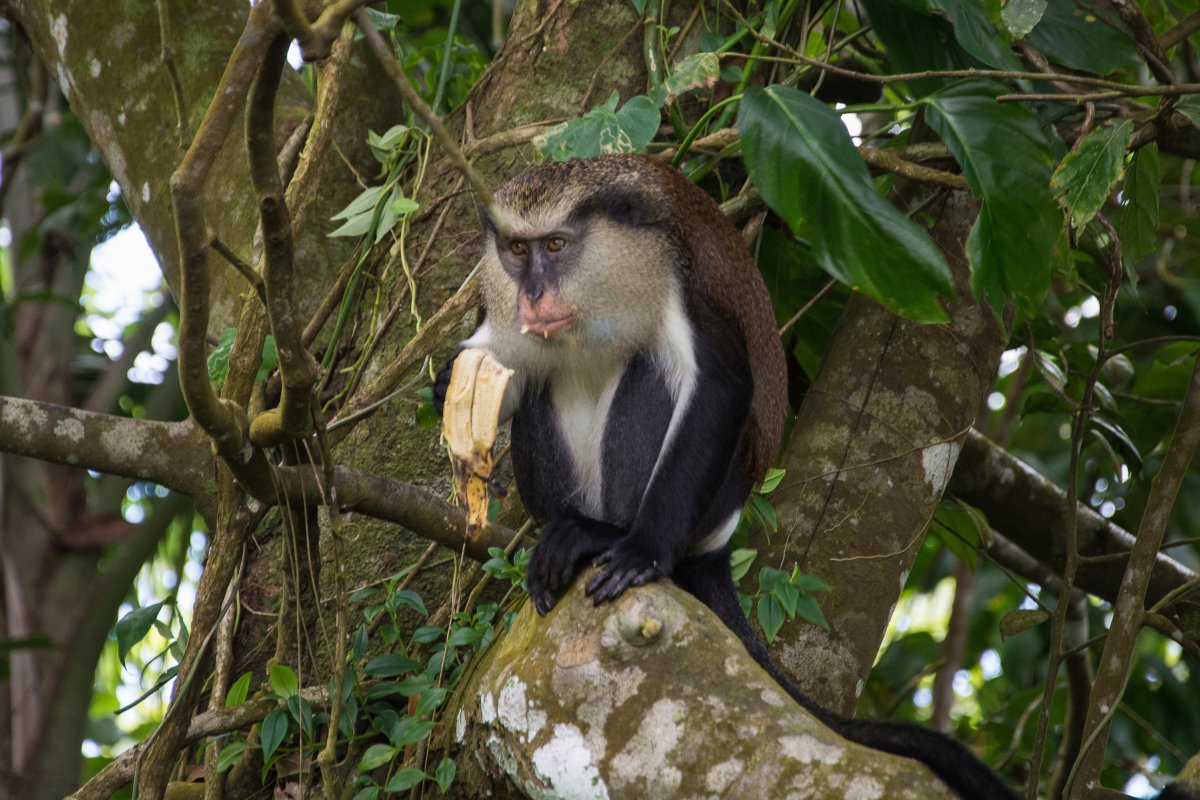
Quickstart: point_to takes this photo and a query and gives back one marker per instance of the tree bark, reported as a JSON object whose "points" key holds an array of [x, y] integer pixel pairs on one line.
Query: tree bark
{"points": [[873, 447], [650, 696]]}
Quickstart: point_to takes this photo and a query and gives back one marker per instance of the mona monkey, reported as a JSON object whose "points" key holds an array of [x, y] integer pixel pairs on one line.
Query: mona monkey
{"points": [[648, 397]]}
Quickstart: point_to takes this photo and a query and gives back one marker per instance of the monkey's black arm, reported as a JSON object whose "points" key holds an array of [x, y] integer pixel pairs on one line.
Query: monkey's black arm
{"points": [[691, 485]]}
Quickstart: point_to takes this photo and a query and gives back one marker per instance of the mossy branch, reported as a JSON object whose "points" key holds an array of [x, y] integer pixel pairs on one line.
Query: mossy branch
{"points": [[293, 418], [221, 421]]}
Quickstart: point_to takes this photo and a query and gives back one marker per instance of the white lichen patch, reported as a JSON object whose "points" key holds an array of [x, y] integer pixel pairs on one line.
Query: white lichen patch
{"points": [[863, 787], [599, 691], [516, 712], [133, 446], [646, 755], [69, 428], [733, 666], [772, 698], [566, 766], [460, 727], [809, 750], [58, 29], [937, 461], [146, 192], [25, 417], [487, 708], [720, 776], [95, 67]]}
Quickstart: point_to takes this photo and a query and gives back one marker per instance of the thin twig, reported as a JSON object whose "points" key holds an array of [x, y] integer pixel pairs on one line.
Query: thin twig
{"points": [[482, 193]]}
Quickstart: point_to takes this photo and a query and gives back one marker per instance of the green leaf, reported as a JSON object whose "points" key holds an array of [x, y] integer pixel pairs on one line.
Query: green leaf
{"points": [[405, 779], [602, 130], [415, 684], [740, 561], [1082, 40], [1190, 107], [410, 731], [1087, 175], [411, 599], [274, 730], [283, 680], [218, 359], [463, 637], [430, 700], [697, 71], [445, 773], [1021, 620], [789, 597], [301, 711], [134, 626], [270, 358], [790, 140], [363, 204], [1022, 16], [168, 674], [376, 756], [390, 666], [810, 583], [427, 635], [959, 531], [230, 754], [238, 692], [975, 32], [1137, 223], [770, 616], [771, 480], [808, 609], [763, 512], [367, 792], [1006, 160]]}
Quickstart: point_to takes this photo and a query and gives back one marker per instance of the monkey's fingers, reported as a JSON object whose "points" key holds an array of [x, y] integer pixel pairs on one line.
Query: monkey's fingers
{"points": [[441, 385], [622, 570]]}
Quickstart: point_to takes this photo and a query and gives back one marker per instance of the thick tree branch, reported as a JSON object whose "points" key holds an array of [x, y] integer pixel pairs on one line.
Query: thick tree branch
{"points": [[293, 418], [1030, 510], [173, 454], [650, 696], [219, 420], [383, 498]]}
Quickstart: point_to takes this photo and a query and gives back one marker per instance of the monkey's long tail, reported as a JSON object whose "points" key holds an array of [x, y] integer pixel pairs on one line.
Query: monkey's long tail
{"points": [[708, 578]]}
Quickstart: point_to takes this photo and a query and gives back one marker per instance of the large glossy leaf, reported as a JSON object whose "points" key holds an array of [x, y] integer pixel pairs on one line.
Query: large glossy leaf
{"points": [[1005, 157], [1138, 220], [1079, 39], [802, 161], [1089, 172], [975, 32]]}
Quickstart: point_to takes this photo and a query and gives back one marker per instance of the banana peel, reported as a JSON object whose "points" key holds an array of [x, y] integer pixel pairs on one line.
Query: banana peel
{"points": [[469, 423]]}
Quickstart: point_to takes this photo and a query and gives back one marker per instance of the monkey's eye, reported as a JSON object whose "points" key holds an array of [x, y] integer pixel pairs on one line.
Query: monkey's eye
{"points": [[555, 244], [517, 248]]}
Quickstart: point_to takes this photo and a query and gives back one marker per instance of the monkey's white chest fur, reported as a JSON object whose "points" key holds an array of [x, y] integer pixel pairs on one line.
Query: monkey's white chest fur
{"points": [[583, 394], [583, 378], [583, 402]]}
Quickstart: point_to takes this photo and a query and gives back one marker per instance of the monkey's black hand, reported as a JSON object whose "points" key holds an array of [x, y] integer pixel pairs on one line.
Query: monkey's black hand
{"points": [[566, 544], [626, 564], [441, 384]]}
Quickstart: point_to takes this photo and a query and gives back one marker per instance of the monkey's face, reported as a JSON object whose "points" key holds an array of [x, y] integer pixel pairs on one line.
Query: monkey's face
{"points": [[592, 282], [536, 264]]}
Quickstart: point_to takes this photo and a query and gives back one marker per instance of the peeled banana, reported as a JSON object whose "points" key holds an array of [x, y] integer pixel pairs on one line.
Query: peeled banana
{"points": [[469, 423]]}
